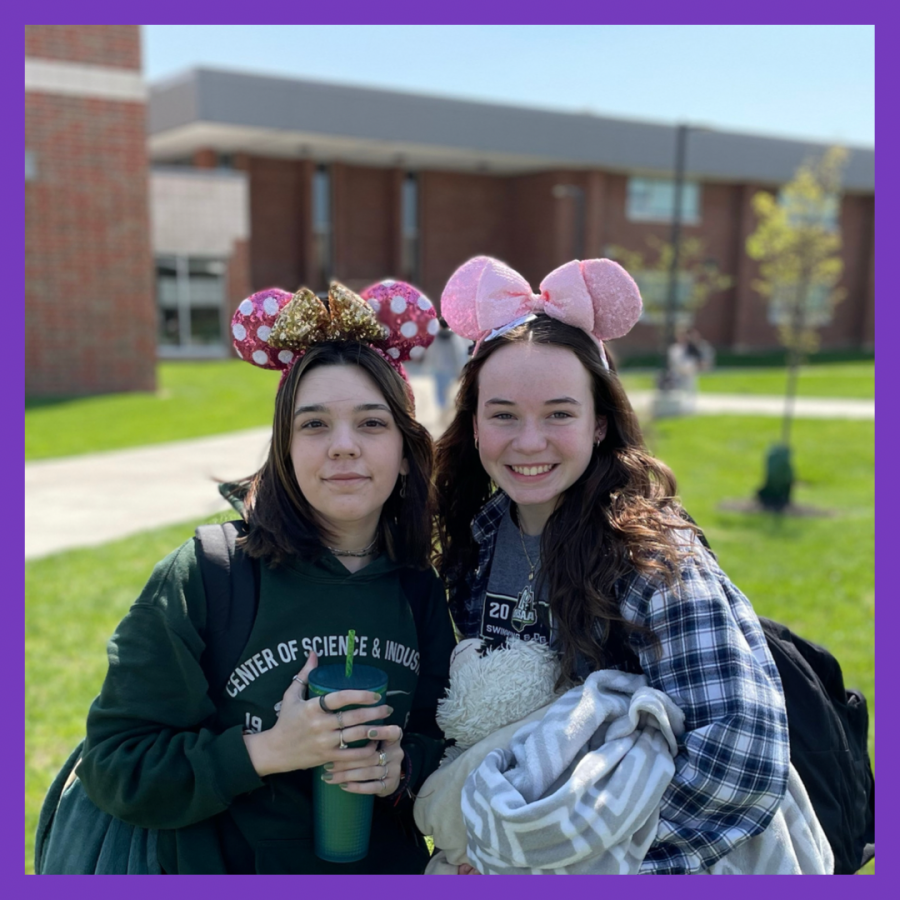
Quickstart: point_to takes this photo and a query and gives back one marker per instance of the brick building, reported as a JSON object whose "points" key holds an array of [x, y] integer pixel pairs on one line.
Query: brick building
{"points": [[91, 322], [359, 184]]}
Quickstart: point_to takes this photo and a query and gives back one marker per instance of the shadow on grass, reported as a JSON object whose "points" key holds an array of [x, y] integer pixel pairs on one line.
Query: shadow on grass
{"points": [[42, 402], [48, 402], [729, 518]]}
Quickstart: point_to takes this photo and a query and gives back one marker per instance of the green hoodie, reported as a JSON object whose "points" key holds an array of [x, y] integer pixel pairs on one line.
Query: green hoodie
{"points": [[161, 753]]}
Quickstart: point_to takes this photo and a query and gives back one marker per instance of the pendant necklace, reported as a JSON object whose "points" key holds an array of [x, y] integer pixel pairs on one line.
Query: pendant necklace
{"points": [[531, 565]]}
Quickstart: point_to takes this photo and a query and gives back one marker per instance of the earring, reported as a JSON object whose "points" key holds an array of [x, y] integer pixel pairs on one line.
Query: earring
{"points": [[402, 487], [476, 441]]}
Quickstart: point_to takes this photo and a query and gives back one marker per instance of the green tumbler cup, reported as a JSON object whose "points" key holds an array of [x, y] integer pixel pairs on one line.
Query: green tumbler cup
{"points": [[342, 822]]}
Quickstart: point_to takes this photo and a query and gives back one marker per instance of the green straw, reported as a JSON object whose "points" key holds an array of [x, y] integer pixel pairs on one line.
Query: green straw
{"points": [[351, 646]]}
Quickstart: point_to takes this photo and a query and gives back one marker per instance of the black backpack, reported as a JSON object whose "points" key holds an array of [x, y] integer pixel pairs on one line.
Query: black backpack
{"points": [[828, 728]]}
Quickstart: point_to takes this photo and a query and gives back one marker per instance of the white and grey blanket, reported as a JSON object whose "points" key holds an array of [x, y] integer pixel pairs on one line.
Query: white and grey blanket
{"points": [[576, 787]]}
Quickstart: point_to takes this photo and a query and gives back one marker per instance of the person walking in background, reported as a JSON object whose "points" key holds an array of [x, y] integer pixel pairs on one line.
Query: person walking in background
{"points": [[700, 350], [682, 370], [446, 356], [689, 355]]}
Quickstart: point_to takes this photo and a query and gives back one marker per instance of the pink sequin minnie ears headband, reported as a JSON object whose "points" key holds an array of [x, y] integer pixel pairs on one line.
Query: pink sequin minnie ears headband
{"points": [[485, 298], [272, 329]]}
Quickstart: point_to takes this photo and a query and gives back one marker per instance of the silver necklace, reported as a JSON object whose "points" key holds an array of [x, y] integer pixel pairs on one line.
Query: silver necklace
{"points": [[358, 553], [531, 565]]}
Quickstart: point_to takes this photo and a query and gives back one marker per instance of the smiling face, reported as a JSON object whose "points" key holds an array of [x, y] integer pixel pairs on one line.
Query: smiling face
{"points": [[346, 449], [536, 425]]}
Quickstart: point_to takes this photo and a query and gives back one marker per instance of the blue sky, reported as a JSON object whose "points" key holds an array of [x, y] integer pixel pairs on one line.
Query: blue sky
{"points": [[804, 81]]}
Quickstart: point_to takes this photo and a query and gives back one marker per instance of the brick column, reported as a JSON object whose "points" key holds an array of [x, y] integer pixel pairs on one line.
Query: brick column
{"points": [[594, 214], [748, 307], [91, 319], [394, 222]]}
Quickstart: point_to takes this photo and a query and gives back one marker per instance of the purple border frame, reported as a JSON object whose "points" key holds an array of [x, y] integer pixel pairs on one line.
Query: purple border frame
{"points": [[462, 12]]}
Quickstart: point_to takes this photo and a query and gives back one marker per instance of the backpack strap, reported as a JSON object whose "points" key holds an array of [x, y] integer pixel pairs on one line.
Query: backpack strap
{"points": [[49, 806], [231, 584], [416, 584]]}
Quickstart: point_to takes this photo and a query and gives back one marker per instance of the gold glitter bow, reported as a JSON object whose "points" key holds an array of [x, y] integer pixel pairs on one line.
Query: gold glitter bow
{"points": [[305, 320]]}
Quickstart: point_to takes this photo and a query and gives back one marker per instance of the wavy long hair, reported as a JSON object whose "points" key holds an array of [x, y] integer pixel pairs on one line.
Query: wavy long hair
{"points": [[281, 520], [618, 516]]}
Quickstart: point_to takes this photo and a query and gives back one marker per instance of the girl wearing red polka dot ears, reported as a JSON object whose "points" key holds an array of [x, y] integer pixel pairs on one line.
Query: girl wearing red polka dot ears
{"points": [[338, 524]]}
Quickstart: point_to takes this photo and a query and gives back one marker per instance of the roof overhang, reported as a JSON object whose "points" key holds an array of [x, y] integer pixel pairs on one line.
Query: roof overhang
{"points": [[290, 118], [179, 143]]}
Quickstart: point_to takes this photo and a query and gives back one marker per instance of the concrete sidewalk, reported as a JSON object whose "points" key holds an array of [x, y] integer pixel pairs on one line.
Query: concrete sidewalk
{"points": [[89, 500], [762, 405], [84, 501]]}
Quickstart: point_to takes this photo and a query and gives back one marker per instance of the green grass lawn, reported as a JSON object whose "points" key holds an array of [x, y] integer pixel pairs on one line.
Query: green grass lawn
{"points": [[845, 380], [814, 574], [196, 399], [817, 574], [193, 399]]}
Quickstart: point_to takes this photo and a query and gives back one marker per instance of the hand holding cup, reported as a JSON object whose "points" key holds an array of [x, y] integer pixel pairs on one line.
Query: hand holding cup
{"points": [[307, 734], [379, 773]]}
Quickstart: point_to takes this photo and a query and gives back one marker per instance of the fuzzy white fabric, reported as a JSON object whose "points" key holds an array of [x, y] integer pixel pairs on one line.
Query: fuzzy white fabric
{"points": [[488, 690]]}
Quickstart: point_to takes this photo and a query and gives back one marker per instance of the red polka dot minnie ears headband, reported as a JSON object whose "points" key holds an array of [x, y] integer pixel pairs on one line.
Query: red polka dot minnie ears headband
{"points": [[485, 298], [272, 329]]}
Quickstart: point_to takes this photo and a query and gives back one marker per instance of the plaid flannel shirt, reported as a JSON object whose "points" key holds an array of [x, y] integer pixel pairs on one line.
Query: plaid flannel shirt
{"points": [[732, 765]]}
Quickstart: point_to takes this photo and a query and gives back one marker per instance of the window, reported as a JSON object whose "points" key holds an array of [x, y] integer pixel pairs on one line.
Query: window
{"points": [[409, 213], [818, 306], [654, 287], [190, 295], [823, 211], [30, 165], [323, 263], [653, 200]]}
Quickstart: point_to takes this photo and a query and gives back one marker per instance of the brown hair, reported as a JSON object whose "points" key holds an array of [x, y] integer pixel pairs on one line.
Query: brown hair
{"points": [[616, 518], [280, 517]]}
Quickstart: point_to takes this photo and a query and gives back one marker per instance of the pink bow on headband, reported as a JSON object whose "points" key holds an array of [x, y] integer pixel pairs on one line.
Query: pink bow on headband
{"points": [[485, 295]]}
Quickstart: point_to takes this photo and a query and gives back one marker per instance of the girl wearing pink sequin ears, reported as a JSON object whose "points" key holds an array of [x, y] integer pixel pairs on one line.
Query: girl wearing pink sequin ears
{"points": [[558, 526], [338, 524]]}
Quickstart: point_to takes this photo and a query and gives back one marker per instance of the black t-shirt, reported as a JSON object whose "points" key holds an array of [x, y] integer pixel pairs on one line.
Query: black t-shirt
{"points": [[512, 609]]}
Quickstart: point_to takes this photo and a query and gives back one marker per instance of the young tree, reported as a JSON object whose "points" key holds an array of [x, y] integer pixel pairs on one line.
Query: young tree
{"points": [[797, 242], [699, 276]]}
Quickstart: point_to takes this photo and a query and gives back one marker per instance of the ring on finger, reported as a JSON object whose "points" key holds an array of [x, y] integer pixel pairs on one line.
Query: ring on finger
{"points": [[382, 759], [342, 745], [322, 704], [383, 766], [299, 680], [383, 785], [340, 718]]}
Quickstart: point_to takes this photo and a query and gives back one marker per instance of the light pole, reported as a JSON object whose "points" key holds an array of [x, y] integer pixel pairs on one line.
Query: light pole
{"points": [[672, 294], [561, 192], [665, 404]]}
